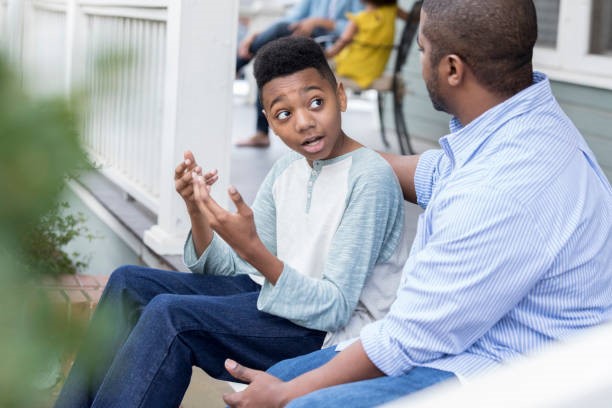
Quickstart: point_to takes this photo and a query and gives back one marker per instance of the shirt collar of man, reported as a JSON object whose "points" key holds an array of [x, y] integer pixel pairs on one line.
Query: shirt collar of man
{"points": [[463, 141]]}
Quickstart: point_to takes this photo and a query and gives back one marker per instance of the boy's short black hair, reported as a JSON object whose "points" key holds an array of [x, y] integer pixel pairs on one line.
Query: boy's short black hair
{"points": [[287, 56]]}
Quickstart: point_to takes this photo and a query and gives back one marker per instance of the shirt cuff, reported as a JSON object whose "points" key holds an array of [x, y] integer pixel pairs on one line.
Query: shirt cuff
{"points": [[269, 295], [423, 176], [379, 349], [190, 258]]}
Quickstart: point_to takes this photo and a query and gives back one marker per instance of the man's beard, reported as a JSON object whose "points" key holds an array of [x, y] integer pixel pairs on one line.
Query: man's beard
{"points": [[436, 99]]}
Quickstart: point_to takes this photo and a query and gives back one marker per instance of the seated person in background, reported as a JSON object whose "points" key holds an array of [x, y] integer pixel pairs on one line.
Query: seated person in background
{"points": [[514, 249], [323, 242], [308, 18], [362, 51]]}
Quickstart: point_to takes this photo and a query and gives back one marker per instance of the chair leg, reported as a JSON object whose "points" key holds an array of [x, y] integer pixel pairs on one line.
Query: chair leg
{"points": [[403, 137], [381, 111]]}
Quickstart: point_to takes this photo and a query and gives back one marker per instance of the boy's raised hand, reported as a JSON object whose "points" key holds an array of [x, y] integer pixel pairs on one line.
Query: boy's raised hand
{"points": [[183, 179], [237, 229]]}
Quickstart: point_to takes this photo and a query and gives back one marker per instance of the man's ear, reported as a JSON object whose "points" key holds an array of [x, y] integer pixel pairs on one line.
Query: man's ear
{"points": [[341, 95], [454, 70]]}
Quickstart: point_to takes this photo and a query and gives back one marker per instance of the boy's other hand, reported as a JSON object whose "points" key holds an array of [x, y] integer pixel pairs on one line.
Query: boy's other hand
{"points": [[237, 229]]}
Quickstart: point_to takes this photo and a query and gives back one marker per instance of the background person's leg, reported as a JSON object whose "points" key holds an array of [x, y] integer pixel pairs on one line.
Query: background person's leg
{"points": [[374, 392], [128, 290], [175, 332], [277, 30]]}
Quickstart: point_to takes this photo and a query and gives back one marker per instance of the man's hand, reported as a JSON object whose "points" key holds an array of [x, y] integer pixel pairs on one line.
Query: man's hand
{"points": [[304, 28], [264, 390], [183, 179], [244, 50]]}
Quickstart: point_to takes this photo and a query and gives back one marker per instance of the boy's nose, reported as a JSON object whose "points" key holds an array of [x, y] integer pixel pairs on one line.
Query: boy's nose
{"points": [[303, 120]]}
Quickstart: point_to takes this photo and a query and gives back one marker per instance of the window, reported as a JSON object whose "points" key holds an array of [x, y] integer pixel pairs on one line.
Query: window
{"points": [[548, 22], [575, 41], [601, 29]]}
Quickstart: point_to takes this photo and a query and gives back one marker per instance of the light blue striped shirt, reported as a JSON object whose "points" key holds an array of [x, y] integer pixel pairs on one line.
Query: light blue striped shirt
{"points": [[514, 248]]}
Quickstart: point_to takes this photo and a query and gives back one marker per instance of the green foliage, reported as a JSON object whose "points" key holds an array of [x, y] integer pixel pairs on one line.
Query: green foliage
{"points": [[45, 240], [39, 147]]}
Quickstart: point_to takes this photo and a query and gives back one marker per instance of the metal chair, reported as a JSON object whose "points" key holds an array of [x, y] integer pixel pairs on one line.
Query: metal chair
{"points": [[394, 82]]}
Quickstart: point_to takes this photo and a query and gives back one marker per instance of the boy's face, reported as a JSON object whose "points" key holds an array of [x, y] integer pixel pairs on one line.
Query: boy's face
{"points": [[304, 110]]}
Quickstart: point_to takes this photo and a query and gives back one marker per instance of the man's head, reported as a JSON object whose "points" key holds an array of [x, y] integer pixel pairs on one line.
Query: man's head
{"points": [[493, 38], [301, 99]]}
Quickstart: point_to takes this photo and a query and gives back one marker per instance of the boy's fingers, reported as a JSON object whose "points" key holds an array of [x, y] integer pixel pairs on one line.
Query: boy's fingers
{"points": [[188, 155], [206, 203], [242, 208]]}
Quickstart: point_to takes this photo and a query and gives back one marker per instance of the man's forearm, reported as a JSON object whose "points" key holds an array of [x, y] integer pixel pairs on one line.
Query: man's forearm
{"points": [[405, 169], [350, 365]]}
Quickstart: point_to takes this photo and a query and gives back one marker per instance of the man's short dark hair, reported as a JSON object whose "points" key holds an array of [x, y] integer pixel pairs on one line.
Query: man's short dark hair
{"points": [[495, 38], [287, 56]]}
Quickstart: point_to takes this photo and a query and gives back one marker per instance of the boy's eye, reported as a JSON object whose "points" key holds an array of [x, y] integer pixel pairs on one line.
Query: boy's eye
{"points": [[282, 115], [315, 103]]}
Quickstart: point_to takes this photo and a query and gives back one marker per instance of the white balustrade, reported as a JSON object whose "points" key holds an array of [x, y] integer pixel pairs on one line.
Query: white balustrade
{"points": [[157, 78]]}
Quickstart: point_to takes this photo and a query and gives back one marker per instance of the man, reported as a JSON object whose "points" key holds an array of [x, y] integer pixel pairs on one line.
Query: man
{"points": [[308, 18], [514, 248]]}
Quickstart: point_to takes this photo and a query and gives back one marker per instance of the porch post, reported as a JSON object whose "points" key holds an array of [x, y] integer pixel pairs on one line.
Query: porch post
{"points": [[200, 65]]}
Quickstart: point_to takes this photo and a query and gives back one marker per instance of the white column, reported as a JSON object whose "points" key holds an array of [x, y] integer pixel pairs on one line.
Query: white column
{"points": [[200, 55], [14, 30]]}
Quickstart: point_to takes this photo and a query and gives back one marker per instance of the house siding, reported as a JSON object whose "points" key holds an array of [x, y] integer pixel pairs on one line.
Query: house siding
{"points": [[589, 108]]}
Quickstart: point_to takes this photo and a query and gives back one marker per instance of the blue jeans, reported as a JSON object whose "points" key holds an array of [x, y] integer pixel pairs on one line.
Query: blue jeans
{"points": [[274, 32], [367, 393], [158, 324]]}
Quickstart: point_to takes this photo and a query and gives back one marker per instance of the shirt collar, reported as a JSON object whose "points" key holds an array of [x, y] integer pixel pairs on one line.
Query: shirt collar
{"points": [[463, 141]]}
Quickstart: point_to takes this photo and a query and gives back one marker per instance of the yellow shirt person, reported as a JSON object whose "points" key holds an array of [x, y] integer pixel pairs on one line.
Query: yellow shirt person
{"points": [[362, 51]]}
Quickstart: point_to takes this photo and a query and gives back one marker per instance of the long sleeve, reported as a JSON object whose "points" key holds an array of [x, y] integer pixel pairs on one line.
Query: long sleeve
{"points": [[485, 246], [369, 232]]}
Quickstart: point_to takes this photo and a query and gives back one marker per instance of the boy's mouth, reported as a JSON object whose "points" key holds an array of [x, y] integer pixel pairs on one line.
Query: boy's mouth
{"points": [[311, 140]]}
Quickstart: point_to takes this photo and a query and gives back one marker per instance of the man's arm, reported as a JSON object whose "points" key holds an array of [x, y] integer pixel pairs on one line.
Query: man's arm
{"points": [[306, 26], [350, 365], [405, 169]]}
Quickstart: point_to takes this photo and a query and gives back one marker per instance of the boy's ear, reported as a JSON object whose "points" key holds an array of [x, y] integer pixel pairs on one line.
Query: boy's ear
{"points": [[341, 95]]}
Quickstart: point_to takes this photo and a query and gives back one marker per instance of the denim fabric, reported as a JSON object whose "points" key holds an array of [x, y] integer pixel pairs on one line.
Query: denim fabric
{"points": [[368, 393], [163, 323], [274, 32]]}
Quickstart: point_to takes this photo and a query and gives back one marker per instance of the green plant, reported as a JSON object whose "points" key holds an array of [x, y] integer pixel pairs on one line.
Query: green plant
{"points": [[44, 244], [39, 148]]}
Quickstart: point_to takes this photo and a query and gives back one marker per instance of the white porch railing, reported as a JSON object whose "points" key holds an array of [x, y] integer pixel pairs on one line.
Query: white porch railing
{"points": [[173, 94]]}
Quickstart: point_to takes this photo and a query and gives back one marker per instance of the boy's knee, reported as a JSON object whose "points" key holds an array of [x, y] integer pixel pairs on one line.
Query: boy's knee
{"points": [[123, 275], [163, 307]]}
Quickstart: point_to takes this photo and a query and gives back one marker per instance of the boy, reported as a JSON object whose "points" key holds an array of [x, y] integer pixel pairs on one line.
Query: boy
{"points": [[325, 234], [307, 18]]}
